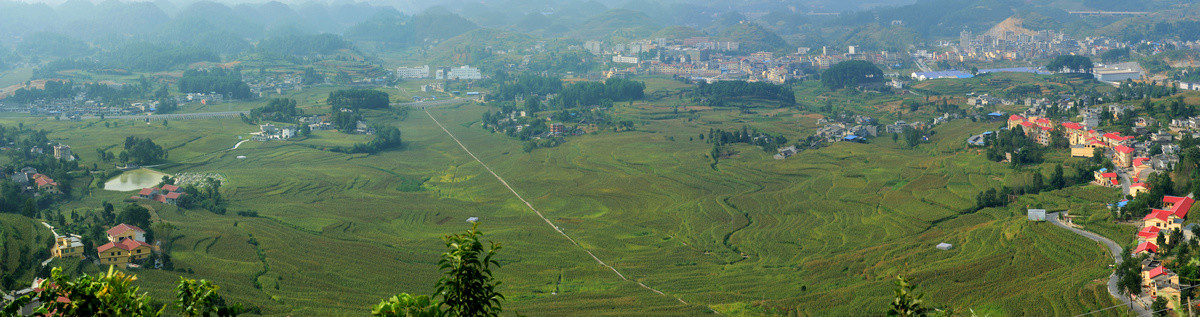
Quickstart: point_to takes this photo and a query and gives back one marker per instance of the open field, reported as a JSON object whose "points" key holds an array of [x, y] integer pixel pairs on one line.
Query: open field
{"points": [[824, 232]]}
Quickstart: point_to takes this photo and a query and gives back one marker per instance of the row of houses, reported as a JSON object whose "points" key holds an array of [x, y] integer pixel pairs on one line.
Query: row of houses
{"points": [[1157, 280]]}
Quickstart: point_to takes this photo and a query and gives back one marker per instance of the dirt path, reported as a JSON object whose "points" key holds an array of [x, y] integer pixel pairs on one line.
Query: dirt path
{"points": [[539, 213]]}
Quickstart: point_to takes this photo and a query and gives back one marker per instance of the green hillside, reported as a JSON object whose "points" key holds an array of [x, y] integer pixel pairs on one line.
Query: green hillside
{"points": [[24, 244], [620, 22]]}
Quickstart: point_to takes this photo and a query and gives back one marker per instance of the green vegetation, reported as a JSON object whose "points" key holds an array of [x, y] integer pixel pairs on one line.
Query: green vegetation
{"points": [[113, 294], [720, 92], [1074, 63], [225, 82], [357, 99], [467, 286], [24, 244], [141, 151], [851, 74]]}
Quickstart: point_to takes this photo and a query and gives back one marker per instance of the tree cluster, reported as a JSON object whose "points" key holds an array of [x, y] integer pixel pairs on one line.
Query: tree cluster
{"points": [[850, 74], [595, 94], [718, 92], [1074, 63], [142, 151], [358, 99], [768, 143], [278, 110], [228, 83]]}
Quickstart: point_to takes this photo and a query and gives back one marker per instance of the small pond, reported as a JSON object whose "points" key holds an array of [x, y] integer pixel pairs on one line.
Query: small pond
{"points": [[134, 180]]}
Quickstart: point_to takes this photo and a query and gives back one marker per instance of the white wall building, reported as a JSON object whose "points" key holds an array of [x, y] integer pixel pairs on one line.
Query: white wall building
{"points": [[464, 72], [412, 72], [625, 59]]}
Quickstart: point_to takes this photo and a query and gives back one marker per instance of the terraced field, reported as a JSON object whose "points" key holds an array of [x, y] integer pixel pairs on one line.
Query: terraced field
{"points": [[824, 232]]}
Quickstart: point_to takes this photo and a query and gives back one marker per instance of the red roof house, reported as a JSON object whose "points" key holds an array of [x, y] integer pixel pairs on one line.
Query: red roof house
{"points": [[1148, 233], [1145, 247], [1178, 205]]}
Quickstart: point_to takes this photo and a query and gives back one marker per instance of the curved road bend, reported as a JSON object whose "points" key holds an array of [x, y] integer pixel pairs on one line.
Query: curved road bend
{"points": [[1115, 250]]}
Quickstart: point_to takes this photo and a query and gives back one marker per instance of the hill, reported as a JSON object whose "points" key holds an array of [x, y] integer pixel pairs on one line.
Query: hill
{"points": [[1011, 24], [24, 244], [618, 22], [754, 38]]}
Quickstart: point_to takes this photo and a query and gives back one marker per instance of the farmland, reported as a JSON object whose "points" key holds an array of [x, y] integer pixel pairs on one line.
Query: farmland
{"points": [[824, 232]]}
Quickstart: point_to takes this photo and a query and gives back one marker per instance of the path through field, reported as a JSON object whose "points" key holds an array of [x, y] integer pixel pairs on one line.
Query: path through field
{"points": [[539, 213], [1116, 251]]}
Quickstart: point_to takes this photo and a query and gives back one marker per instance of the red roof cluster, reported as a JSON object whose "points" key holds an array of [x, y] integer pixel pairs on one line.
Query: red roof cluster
{"points": [[126, 244], [1140, 161], [1123, 149], [1015, 118], [1072, 125], [1108, 175]]}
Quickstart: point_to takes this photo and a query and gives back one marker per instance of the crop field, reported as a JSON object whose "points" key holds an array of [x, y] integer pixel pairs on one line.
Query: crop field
{"points": [[824, 232]]}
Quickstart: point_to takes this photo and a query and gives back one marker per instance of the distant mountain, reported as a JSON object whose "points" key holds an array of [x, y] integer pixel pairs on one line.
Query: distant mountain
{"points": [[401, 31], [620, 22], [754, 37], [678, 32]]}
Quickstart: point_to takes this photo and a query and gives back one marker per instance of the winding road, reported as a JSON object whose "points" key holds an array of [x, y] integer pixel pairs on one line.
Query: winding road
{"points": [[1116, 252]]}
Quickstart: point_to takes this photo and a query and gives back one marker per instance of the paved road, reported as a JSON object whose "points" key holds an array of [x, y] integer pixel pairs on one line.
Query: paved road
{"points": [[1116, 252]]}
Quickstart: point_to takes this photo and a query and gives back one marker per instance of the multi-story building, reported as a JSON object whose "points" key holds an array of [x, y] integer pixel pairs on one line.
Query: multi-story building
{"points": [[68, 246], [413, 72]]}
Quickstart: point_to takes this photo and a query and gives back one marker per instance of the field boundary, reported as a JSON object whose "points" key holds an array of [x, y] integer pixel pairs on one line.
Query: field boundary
{"points": [[539, 213]]}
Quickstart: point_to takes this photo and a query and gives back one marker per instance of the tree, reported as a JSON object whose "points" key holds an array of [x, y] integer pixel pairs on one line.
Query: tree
{"points": [[907, 302], [1159, 307], [1057, 181], [108, 294], [135, 215], [467, 286], [199, 298]]}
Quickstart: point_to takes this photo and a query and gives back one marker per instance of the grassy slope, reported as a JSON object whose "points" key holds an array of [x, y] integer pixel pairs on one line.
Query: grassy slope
{"points": [[22, 240], [823, 232]]}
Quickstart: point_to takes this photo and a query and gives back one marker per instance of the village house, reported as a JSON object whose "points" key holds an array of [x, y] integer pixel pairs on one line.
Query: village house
{"points": [[167, 194], [45, 184], [68, 246], [1124, 155], [126, 244], [1137, 188], [1145, 248], [271, 132], [1105, 178], [1158, 281]]}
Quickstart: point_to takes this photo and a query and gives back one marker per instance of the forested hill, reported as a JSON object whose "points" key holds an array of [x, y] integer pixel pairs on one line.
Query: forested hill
{"points": [[24, 244]]}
